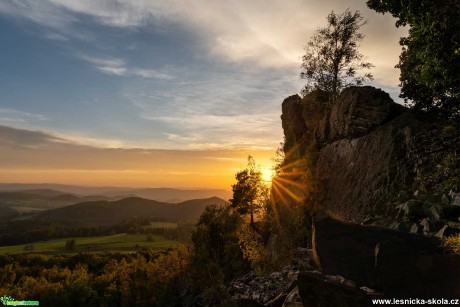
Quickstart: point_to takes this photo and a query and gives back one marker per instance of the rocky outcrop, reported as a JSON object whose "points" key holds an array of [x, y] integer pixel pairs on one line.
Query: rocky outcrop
{"points": [[371, 154]]}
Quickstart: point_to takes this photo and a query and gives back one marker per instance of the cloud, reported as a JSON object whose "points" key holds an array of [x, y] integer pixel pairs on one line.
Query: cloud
{"points": [[10, 115], [56, 37], [37, 156], [267, 33], [117, 66], [20, 138]]}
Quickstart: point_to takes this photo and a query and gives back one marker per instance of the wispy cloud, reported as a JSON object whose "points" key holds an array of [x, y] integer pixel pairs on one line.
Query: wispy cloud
{"points": [[10, 115], [56, 37], [117, 66]]}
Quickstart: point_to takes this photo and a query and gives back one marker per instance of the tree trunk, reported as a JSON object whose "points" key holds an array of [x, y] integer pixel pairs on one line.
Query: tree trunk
{"points": [[252, 214]]}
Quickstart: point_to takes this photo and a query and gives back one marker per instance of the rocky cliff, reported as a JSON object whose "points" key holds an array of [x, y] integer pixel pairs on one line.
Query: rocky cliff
{"points": [[371, 155]]}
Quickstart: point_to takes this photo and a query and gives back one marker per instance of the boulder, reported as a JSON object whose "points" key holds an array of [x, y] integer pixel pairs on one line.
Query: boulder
{"points": [[399, 264], [412, 208], [425, 223], [433, 211], [314, 290], [347, 249], [407, 270], [455, 198]]}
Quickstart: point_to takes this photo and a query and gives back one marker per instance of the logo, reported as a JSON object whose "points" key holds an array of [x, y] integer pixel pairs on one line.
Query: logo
{"points": [[9, 301]]}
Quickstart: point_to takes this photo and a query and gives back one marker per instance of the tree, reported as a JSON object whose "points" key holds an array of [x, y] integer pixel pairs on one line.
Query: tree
{"points": [[217, 255], [332, 59], [248, 190], [430, 59]]}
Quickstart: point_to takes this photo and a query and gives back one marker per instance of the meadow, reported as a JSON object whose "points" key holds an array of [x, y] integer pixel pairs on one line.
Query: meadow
{"points": [[117, 242]]}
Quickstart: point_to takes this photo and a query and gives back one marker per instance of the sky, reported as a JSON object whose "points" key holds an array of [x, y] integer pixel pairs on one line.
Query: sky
{"points": [[152, 93]]}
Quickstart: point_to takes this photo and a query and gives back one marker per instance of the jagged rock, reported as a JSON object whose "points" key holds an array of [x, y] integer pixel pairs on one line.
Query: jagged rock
{"points": [[425, 223], [440, 233], [416, 228], [447, 231], [277, 301], [455, 198], [293, 299]]}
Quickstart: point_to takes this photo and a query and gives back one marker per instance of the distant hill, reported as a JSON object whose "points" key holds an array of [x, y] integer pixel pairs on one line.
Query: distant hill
{"points": [[159, 194], [39, 199], [112, 212], [170, 195]]}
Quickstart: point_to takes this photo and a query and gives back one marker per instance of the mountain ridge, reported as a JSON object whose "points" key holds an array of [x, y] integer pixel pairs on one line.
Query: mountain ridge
{"points": [[105, 212]]}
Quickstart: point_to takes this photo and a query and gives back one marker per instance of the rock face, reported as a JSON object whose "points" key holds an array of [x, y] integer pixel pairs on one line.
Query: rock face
{"points": [[399, 264], [370, 151], [359, 112]]}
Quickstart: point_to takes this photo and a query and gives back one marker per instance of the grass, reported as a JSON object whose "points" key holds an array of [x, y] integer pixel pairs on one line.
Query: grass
{"points": [[118, 242], [161, 225]]}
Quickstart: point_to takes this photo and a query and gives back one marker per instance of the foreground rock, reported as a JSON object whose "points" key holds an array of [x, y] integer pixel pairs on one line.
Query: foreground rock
{"points": [[399, 264]]}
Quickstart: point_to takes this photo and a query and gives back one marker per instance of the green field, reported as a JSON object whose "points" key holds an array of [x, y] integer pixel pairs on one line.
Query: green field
{"points": [[118, 242], [161, 225]]}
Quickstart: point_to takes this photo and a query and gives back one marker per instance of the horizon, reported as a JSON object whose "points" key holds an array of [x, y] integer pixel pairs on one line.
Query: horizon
{"points": [[148, 94], [98, 187]]}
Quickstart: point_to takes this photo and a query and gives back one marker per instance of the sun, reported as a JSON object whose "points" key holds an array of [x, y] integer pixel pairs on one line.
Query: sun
{"points": [[267, 174]]}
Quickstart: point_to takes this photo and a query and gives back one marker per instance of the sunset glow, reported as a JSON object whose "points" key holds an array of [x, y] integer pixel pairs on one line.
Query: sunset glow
{"points": [[267, 174], [157, 93]]}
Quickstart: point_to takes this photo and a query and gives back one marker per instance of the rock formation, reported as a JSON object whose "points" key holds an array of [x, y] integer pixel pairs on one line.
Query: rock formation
{"points": [[372, 154]]}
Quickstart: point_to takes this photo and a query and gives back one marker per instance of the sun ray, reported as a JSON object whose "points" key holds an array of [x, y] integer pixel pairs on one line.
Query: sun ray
{"points": [[287, 191], [288, 181]]}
